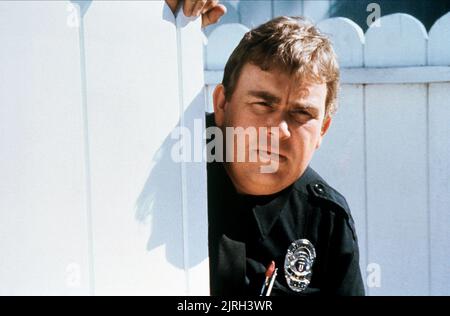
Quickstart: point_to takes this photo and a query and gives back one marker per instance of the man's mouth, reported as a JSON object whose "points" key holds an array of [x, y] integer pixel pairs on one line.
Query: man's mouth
{"points": [[269, 154]]}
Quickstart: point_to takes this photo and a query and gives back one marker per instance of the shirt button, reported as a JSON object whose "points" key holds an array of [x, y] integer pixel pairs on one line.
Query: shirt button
{"points": [[319, 188]]}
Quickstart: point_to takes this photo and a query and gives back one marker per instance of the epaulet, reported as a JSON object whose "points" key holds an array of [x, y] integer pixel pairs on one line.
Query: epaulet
{"points": [[319, 189]]}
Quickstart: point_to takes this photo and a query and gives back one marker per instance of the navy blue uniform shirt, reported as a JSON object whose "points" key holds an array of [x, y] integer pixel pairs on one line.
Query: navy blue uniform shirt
{"points": [[247, 232]]}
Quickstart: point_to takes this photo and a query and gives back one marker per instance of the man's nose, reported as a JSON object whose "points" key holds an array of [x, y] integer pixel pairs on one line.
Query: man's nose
{"points": [[284, 130], [279, 128]]}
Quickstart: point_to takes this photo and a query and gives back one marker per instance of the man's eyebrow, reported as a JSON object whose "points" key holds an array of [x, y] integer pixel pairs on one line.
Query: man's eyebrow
{"points": [[267, 96], [264, 95], [305, 105]]}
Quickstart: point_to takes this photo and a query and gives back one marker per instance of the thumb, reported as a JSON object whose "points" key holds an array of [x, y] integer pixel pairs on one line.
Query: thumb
{"points": [[213, 15]]}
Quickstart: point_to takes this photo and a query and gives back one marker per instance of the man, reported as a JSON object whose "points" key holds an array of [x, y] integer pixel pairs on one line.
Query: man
{"points": [[282, 77]]}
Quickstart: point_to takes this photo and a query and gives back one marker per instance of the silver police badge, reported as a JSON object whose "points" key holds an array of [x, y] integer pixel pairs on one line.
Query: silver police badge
{"points": [[298, 264]]}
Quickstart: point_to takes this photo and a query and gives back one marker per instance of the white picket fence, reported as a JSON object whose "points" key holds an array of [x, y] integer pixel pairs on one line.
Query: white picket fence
{"points": [[251, 13], [388, 150], [91, 202]]}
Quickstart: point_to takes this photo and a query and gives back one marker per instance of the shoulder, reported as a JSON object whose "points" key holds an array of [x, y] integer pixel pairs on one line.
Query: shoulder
{"points": [[313, 185], [327, 198]]}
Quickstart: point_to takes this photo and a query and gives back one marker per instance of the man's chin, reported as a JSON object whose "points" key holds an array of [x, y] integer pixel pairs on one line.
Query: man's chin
{"points": [[253, 179], [263, 184]]}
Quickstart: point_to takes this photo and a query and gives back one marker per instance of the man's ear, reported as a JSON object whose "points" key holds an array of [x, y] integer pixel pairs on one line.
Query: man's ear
{"points": [[219, 104], [325, 126]]}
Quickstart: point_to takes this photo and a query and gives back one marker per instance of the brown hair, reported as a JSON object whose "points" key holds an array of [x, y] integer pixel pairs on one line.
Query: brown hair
{"points": [[292, 44]]}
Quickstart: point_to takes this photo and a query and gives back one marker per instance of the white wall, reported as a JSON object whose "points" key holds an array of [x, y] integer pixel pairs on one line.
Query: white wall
{"points": [[90, 202], [43, 215]]}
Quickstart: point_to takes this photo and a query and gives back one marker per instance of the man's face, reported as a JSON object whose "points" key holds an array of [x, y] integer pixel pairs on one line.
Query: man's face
{"points": [[273, 99]]}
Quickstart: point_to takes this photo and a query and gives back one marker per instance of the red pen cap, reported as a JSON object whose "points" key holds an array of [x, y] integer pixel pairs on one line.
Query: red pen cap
{"points": [[270, 269]]}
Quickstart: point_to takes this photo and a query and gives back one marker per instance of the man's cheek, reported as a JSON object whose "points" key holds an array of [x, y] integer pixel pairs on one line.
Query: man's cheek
{"points": [[273, 167]]}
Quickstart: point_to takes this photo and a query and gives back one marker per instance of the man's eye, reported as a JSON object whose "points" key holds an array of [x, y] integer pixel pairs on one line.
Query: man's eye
{"points": [[301, 115], [301, 112], [263, 103]]}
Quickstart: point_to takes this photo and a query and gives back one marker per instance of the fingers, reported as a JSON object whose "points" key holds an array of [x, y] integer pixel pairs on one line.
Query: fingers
{"points": [[209, 5], [210, 10], [213, 15], [188, 6], [193, 7], [198, 9], [173, 4]]}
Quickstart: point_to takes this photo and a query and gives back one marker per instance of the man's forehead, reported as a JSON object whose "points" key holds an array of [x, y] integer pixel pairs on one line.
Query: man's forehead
{"points": [[250, 70], [255, 78]]}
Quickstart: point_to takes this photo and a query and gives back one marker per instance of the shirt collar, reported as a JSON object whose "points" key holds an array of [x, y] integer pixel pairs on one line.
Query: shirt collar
{"points": [[266, 215]]}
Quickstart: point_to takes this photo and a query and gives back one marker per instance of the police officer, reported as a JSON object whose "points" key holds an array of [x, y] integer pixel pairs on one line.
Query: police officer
{"points": [[282, 77]]}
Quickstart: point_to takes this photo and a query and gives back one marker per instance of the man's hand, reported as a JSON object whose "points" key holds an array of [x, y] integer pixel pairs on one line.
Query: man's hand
{"points": [[210, 10]]}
